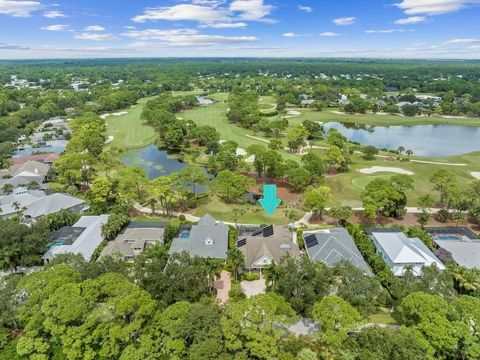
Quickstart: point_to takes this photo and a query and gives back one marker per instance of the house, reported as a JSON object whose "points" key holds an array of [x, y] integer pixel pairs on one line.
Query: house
{"points": [[51, 204], [266, 245], [134, 240], [461, 243], [333, 245], [20, 198], [33, 204], [51, 146], [207, 239], [43, 158], [24, 174], [399, 251], [82, 238]]}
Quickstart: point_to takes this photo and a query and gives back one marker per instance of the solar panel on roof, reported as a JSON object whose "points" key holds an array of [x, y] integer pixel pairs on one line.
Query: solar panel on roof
{"points": [[311, 240], [257, 232], [268, 231], [241, 242]]}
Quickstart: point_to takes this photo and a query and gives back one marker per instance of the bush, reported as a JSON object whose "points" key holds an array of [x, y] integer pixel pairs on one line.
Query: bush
{"points": [[236, 293], [442, 216], [250, 276], [300, 241], [182, 218]]}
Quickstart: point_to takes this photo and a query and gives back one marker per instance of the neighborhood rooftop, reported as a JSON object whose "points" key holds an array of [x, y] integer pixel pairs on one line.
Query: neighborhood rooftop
{"points": [[333, 245]]}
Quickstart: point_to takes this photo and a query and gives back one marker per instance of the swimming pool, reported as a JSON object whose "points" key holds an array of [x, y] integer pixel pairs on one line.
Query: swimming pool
{"points": [[185, 235], [451, 237]]}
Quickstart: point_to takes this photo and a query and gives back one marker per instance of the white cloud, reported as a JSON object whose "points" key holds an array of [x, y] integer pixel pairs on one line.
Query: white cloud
{"points": [[93, 36], [387, 31], [433, 7], [190, 12], [227, 25], [17, 8], [252, 10], [462, 41], [307, 9], [54, 14], [411, 20], [329, 34], [291, 34], [158, 34], [94, 28], [185, 37], [55, 27], [345, 21], [210, 12]]}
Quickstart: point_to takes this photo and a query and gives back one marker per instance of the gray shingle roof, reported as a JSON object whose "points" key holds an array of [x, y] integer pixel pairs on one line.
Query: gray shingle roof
{"points": [[131, 239], [335, 245], [207, 239]]}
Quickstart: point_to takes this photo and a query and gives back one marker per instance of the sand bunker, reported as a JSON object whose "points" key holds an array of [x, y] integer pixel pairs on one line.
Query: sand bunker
{"points": [[118, 113], [294, 112], [476, 174], [375, 169]]}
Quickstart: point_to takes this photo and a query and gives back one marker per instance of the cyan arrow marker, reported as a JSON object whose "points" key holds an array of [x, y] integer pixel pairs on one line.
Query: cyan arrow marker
{"points": [[269, 201]]}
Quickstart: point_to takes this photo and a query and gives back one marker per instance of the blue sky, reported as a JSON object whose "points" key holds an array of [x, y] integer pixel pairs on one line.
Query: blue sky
{"points": [[267, 28]]}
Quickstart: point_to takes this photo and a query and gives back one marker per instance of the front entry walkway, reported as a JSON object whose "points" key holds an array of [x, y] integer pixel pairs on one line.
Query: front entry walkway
{"points": [[223, 285]]}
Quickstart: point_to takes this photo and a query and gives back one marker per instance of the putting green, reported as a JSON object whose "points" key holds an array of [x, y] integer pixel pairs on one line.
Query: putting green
{"points": [[361, 182]]}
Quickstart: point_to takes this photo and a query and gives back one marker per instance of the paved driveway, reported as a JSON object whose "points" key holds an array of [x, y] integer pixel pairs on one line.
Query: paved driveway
{"points": [[223, 285], [252, 288]]}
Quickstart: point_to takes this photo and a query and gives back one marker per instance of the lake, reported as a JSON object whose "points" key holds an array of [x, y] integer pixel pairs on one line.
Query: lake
{"points": [[156, 162], [424, 140]]}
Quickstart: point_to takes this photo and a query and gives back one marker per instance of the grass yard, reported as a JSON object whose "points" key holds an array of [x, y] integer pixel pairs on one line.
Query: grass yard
{"points": [[128, 130], [382, 318], [254, 214]]}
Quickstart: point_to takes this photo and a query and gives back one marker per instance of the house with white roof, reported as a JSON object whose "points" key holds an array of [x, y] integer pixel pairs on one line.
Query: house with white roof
{"points": [[399, 251], [83, 238]]}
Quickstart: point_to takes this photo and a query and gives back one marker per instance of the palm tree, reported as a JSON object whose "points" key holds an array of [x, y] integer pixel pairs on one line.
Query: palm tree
{"points": [[235, 261], [400, 150], [409, 153], [214, 268], [9, 258], [237, 213], [272, 273], [152, 203]]}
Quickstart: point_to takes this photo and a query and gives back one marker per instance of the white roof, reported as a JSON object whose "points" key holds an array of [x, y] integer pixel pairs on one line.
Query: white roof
{"points": [[465, 253], [88, 240], [403, 251], [52, 204]]}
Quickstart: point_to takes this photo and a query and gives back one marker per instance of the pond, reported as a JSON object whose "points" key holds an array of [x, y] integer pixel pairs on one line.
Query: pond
{"points": [[423, 140], [156, 162]]}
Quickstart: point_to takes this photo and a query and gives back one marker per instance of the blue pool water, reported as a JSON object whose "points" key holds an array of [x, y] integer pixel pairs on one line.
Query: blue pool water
{"points": [[447, 237], [185, 235]]}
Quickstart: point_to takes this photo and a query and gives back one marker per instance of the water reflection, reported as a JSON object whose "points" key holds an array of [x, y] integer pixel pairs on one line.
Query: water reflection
{"points": [[424, 140]]}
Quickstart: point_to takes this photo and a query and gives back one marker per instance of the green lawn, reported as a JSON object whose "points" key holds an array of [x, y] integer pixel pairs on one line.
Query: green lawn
{"points": [[382, 318], [347, 187], [381, 120], [254, 214], [128, 130]]}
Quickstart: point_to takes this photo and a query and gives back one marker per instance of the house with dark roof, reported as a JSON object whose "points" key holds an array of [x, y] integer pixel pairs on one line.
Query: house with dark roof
{"points": [[207, 239], [333, 245], [261, 247], [134, 240]]}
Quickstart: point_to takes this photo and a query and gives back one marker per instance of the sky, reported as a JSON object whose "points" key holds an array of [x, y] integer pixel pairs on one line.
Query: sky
{"points": [[430, 29]]}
